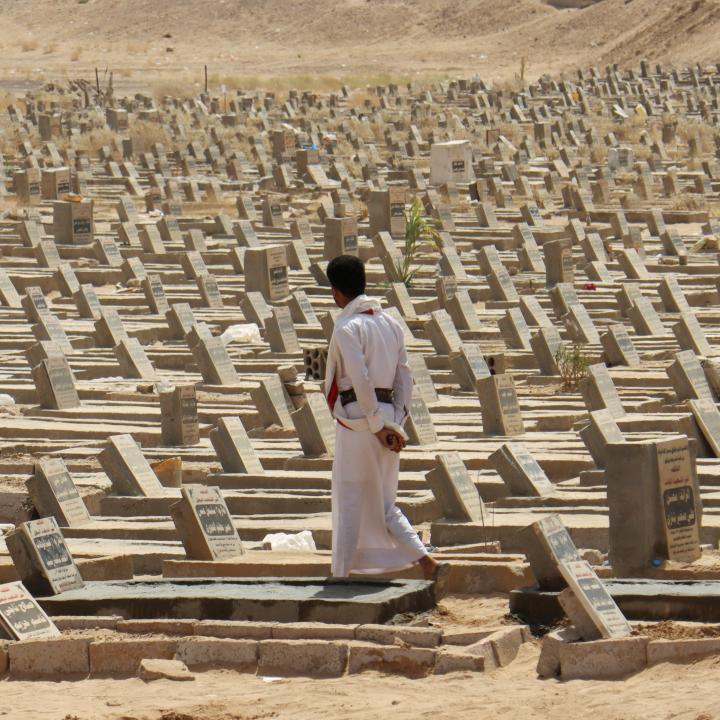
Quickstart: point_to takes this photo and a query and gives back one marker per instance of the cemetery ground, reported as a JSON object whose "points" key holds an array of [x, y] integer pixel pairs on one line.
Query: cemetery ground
{"points": [[549, 246]]}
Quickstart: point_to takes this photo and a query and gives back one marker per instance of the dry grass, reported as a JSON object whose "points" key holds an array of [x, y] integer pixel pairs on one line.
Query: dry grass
{"points": [[29, 44], [76, 54]]}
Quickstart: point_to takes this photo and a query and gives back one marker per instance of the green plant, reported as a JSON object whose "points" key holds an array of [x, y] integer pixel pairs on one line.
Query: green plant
{"points": [[418, 228], [572, 363]]}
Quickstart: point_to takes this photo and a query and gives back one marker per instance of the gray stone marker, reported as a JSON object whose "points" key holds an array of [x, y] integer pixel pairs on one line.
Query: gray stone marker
{"points": [[209, 291], [489, 260], [580, 326], [514, 329], [399, 298], [266, 272], [128, 470], [155, 294], [55, 384], [597, 610], [53, 493], [315, 426], [632, 265], [690, 335], [652, 491], [547, 543], [421, 378], [233, 447], [270, 399], [214, 362], [133, 361], [442, 333], [469, 366], [618, 348], [179, 416], [501, 286], [280, 331], [151, 241], [707, 418], [453, 489], [559, 264], [688, 377], [66, 280], [42, 558], [672, 295], [533, 312], [43, 350], [598, 433], [499, 405], [520, 471], [245, 234], [255, 309], [301, 310], [21, 617], [644, 318], [599, 393], [419, 424], [109, 329], [205, 525], [341, 237], [563, 296], [87, 302], [545, 344]]}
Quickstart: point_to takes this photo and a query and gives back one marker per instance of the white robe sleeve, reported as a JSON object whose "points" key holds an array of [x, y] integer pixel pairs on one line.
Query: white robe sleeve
{"points": [[402, 385], [354, 366]]}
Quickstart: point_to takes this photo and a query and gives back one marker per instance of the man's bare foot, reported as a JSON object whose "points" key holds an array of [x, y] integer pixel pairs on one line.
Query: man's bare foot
{"points": [[428, 566]]}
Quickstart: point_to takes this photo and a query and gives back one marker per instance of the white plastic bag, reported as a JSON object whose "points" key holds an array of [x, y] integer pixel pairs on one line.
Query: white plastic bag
{"points": [[302, 541], [249, 333]]}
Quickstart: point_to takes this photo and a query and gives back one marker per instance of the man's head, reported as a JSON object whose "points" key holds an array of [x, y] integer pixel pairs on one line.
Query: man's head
{"points": [[346, 274]]}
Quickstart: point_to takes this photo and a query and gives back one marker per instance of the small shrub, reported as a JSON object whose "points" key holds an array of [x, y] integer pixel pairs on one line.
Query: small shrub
{"points": [[418, 228], [572, 362]]}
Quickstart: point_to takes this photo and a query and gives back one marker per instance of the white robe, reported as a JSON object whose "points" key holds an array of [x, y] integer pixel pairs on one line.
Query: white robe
{"points": [[370, 533]]}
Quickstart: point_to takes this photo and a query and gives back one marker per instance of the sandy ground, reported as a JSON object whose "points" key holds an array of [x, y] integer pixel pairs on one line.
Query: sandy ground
{"points": [[663, 692]]}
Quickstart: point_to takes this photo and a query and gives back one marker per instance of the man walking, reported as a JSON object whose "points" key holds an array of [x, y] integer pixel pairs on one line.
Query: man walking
{"points": [[368, 385]]}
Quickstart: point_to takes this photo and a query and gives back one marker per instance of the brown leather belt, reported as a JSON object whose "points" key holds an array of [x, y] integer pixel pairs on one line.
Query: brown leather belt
{"points": [[384, 395]]}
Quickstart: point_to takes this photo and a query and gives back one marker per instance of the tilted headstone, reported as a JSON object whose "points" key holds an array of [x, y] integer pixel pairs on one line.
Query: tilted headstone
{"points": [[233, 447], [215, 364], [514, 329], [600, 431], [109, 329], [644, 318], [280, 331], [545, 344], [155, 294], [468, 366], [688, 377], [442, 333], [618, 348], [419, 424], [690, 335], [599, 392], [205, 525], [55, 384], [21, 617], [520, 471], [42, 558], [499, 405], [707, 418], [315, 426], [453, 489], [179, 416], [271, 401], [53, 493], [421, 378], [133, 361], [128, 470]]}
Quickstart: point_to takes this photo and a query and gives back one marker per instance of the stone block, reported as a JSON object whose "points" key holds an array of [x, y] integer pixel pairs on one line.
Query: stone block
{"points": [[157, 627], [49, 658], [86, 622], [313, 658], [681, 651], [447, 662], [506, 644], [412, 662], [313, 631], [235, 630], [387, 635], [122, 657], [218, 652], [155, 669], [603, 659], [4, 660], [549, 661]]}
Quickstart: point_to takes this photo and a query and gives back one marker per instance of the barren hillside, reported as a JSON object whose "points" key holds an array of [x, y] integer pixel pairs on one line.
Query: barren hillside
{"points": [[360, 38]]}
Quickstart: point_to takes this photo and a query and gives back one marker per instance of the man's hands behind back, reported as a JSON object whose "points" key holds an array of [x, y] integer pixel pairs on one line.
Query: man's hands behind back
{"points": [[390, 440]]}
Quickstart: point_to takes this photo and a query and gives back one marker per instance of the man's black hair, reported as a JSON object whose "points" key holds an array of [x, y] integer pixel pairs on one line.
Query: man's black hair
{"points": [[346, 273]]}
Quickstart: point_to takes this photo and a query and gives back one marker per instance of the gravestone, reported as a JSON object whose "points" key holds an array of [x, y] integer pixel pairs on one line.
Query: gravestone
{"points": [[501, 286], [520, 471], [315, 426], [233, 447], [87, 302], [272, 404], [645, 522], [128, 470], [618, 348], [547, 543], [133, 361], [205, 525], [690, 335], [155, 294], [8, 293], [442, 333], [579, 325], [533, 312], [707, 418], [672, 295], [514, 329], [41, 557], [280, 331], [214, 362], [73, 222], [453, 489], [179, 416], [109, 329], [55, 384], [599, 393], [644, 318], [598, 433], [559, 265], [468, 366], [255, 309], [421, 377], [419, 424], [688, 377], [341, 237], [266, 272], [545, 344], [21, 617], [53, 494], [462, 311], [597, 608], [499, 405]]}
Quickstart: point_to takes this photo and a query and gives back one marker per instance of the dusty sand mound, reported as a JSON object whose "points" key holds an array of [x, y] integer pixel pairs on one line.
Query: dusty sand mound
{"points": [[267, 38]]}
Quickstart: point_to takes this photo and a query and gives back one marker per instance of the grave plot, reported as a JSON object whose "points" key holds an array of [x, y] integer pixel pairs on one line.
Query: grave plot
{"points": [[550, 254]]}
